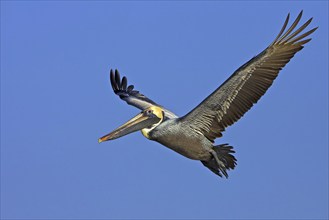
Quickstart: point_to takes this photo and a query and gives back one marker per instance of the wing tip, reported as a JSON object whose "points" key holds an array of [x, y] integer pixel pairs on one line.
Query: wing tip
{"points": [[112, 80], [290, 36], [120, 85]]}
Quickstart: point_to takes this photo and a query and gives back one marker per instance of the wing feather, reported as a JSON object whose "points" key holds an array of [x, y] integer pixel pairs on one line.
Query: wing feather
{"points": [[131, 96], [247, 85]]}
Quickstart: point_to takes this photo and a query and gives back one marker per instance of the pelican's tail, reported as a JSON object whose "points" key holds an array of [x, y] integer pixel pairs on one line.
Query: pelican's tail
{"points": [[224, 161]]}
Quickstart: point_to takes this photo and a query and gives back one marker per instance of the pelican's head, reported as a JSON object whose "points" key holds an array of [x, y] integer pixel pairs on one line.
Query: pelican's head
{"points": [[145, 121]]}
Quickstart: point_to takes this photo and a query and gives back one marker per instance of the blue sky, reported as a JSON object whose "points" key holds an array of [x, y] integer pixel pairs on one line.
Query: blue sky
{"points": [[56, 102]]}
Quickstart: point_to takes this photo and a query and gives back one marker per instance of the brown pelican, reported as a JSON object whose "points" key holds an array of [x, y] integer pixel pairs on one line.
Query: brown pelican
{"points": [[193, 135]]}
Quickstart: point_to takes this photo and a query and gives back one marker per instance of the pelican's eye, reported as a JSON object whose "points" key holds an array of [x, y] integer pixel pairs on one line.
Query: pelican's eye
{"points": [[149, 112]]}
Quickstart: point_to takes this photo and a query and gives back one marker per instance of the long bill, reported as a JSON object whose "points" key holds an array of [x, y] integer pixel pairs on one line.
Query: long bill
{"points": [[138, 122]]}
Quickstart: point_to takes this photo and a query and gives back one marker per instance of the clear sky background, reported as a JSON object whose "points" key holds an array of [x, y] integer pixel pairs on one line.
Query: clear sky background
{"points": [[56, 102]]}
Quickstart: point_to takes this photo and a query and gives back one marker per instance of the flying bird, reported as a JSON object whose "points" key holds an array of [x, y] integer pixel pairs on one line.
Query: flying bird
{"points": [[193, 135]]}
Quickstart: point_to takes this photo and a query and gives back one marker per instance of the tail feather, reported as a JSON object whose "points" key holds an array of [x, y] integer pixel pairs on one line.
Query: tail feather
{"points": [[224, 153]]}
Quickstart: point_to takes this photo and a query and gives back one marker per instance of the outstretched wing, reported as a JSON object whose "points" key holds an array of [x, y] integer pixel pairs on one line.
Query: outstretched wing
{"points": [[240, 91], [131, 96]]}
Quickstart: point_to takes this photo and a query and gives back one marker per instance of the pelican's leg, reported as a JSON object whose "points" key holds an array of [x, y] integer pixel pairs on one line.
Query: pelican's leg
{"points": [[219, 162]]}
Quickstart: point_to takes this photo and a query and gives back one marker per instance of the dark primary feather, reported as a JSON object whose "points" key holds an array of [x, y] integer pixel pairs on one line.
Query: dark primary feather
{"points": [[245, 86], [128, 94], [131, 96]]}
